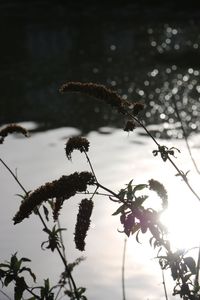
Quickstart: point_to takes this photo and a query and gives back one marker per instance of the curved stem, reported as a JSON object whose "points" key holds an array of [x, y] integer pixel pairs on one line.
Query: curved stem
{"points": [[184, 178], [185, 136], [171, 161], [144, 127]]}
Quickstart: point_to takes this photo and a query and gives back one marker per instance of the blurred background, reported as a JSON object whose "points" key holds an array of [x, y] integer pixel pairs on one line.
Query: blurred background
{"points": [[146, 50]]}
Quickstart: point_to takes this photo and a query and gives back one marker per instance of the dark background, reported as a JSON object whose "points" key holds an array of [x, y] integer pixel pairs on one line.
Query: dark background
{"points": [[142, 49]]}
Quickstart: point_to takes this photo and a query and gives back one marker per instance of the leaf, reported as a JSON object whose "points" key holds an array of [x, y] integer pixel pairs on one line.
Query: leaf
{"points": [[81, 290], [137, 237], [120, 210], [4, 265], [151, 240], [135, 228], [24, 259], [30, 272], [8, 279], [190, 262], [139, 200], [46, 212], [139, 187]]}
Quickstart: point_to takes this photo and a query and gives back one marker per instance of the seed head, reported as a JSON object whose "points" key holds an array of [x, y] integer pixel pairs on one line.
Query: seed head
{"points": [[11, 128], [78, 143]]}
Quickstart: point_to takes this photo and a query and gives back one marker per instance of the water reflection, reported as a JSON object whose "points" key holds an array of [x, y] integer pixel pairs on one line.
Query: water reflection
{"points": [[141, 56]]}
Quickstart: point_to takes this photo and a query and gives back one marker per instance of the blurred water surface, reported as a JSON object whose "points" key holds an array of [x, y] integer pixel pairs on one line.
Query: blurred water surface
{"points": [[147, 51]]}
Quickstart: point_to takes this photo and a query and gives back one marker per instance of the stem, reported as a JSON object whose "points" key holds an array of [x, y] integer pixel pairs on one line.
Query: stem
{"points": [[171, 161], [185, 136], [109, 191], [184, 178], [123, 270], [164, 285], [91, 167], [196, 281], [45, 226], [144, 127], [5, 295], [15, 177], [33, 294]]}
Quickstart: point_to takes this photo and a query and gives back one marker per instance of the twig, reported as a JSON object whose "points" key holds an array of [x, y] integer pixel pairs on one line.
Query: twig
{"points": [[171, 161], [196, 281], [91, 167], [185, 136], [5, 295], [164, 285], [123, 270]]}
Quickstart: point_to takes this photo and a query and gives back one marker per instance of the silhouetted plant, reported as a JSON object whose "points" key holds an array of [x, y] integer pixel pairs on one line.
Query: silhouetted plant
{"points": [[134, 217]]}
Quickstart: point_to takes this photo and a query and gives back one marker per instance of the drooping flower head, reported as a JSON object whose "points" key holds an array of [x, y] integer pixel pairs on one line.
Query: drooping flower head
{"points": [[76, 143]]}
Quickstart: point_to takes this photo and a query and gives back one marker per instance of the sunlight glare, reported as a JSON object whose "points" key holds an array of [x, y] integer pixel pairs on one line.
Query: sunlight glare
{"points": [[183, 222]]}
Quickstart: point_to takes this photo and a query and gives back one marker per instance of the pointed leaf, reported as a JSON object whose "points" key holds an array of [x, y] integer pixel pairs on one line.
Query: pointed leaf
{"points": [[46, 212], [139, 187], [137, 237], [119, 210], [30, 272], [190, 262]]}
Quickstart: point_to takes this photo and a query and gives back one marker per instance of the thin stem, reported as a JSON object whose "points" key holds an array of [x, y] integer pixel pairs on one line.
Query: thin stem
{"points": [[15, 177], [45, 226], [64, 255], [98, 184], [171, 161], [185, 136], [91, 193], [196, 281], [33, 294], [5, 295], [123, 270], [184, 178], [164, 285], [91, 167], [109, 191], [144, 127]]}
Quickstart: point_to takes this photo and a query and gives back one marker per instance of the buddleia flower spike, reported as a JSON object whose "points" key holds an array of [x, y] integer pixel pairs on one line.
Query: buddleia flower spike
{"points": [[98, 91], [65, 187], [83, 223], [159, 188]]}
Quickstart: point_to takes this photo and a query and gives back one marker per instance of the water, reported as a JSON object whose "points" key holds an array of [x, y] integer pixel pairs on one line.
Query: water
{"points": [[146, 53], [117, 158]]}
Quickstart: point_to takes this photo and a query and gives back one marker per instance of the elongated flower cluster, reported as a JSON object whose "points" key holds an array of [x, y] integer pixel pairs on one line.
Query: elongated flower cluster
{"points": [[78, 143], [83, 223], [65, 187], [98, 91], [11, 128], [159, 188]]}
